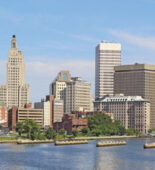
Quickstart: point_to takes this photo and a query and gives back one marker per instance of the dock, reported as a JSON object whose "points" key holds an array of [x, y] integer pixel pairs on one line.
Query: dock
{"points": [[149, 145], [33, 141], [110, 143], [71, 142]]}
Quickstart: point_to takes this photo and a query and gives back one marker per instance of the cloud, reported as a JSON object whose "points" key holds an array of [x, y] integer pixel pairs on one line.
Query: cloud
{"points": [[141, 41], [40, 74], [51, 68]]}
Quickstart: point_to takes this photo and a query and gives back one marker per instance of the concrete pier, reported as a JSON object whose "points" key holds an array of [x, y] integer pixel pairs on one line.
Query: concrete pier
{"points": [[71, 142], [149, 145], [33, 141], [110, 143]]}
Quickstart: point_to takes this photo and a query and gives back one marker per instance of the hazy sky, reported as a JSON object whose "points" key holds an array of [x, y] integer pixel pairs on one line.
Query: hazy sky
{"points": [[62, 34]]}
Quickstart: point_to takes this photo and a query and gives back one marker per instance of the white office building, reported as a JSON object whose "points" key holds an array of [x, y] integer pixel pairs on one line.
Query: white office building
{"points": [[108, 55]]}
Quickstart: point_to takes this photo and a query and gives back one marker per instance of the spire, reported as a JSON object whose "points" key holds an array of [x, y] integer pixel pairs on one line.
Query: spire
{"points": [[13, 42]]}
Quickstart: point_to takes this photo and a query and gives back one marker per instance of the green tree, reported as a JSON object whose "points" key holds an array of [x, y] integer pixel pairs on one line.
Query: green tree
{"points": [[137, 133], [50, 133], [31, 128], [62, 132], [151, 130], [130, 131], [85, 130], [101, 124], [96, 132], [19, 128], [75, 132]]}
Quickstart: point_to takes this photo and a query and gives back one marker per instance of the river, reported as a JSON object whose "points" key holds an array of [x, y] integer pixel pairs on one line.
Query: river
{"points": [[78, 157]]}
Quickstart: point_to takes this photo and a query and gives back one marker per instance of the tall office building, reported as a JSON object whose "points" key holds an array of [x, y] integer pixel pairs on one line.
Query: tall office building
{"points": [[58, 86], [138, 79], [78, 95], [108, 55], [15, 92]]}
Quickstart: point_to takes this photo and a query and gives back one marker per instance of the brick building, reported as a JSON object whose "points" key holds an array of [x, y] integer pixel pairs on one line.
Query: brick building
{"points": [[70, 122]]}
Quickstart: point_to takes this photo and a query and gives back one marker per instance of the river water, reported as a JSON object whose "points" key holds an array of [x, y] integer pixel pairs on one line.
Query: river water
{"points": [[78, 157]]}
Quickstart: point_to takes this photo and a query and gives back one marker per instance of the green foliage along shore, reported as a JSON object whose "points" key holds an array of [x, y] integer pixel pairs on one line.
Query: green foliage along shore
{"points": [[101, 124], [98, 125]]}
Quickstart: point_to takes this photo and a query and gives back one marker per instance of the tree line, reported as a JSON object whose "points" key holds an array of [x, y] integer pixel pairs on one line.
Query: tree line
{"points": [[98, 125]]}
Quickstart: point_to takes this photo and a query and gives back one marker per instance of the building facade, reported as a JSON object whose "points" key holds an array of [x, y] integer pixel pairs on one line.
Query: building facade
{"points": [[132, 111], [78, 95], [108, 55], [45, 105], [70, 122], [58, 110], [15, 92], [138, 79], [58, 86], [30, 114], [53, 110]]}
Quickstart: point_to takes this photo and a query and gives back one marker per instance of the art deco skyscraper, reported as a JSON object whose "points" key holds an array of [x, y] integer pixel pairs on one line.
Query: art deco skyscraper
{"points": [[108, 55], [15, 92]]}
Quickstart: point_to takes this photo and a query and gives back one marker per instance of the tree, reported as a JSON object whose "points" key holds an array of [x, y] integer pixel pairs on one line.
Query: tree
{"points": [[50, 133], [19, 128], [130, 131], [75, 132], [137, 133], [62, 132], [101, 124], [96, 132], [151, 130], [85, 130], [31, 128]]}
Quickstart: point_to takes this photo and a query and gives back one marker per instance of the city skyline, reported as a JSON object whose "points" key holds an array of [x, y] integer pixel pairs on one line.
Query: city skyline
{"points": [[45, 44]]}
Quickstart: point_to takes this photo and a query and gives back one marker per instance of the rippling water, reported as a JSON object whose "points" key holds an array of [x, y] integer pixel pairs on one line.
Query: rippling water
{"points": [[78, 157]]}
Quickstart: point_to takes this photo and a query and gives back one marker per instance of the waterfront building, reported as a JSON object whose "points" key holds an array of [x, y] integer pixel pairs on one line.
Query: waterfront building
{"points": [[58, 110], [30, 114], [15, 92], [70, 122], [53, 110], [12, 117], [137, 79], [3, 116], [132, 111], [108, 55], [78, 95], [45, 105]]}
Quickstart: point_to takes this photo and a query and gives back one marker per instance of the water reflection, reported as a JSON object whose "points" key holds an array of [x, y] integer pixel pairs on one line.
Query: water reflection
{"points": [[77, 157]]}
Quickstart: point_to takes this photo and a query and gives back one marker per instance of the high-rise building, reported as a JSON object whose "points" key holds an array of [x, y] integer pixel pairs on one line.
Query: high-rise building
{"points": [[132, 111], [15, 92], [58, 86], [108, 55], [138, 79], [78, 95]]}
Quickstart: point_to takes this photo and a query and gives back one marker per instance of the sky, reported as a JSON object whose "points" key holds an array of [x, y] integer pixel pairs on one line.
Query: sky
{"points": [[60, 35]]}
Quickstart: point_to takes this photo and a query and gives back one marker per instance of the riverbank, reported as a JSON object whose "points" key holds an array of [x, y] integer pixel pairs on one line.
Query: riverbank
{"points": [[27, 141], [105, 137]]}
